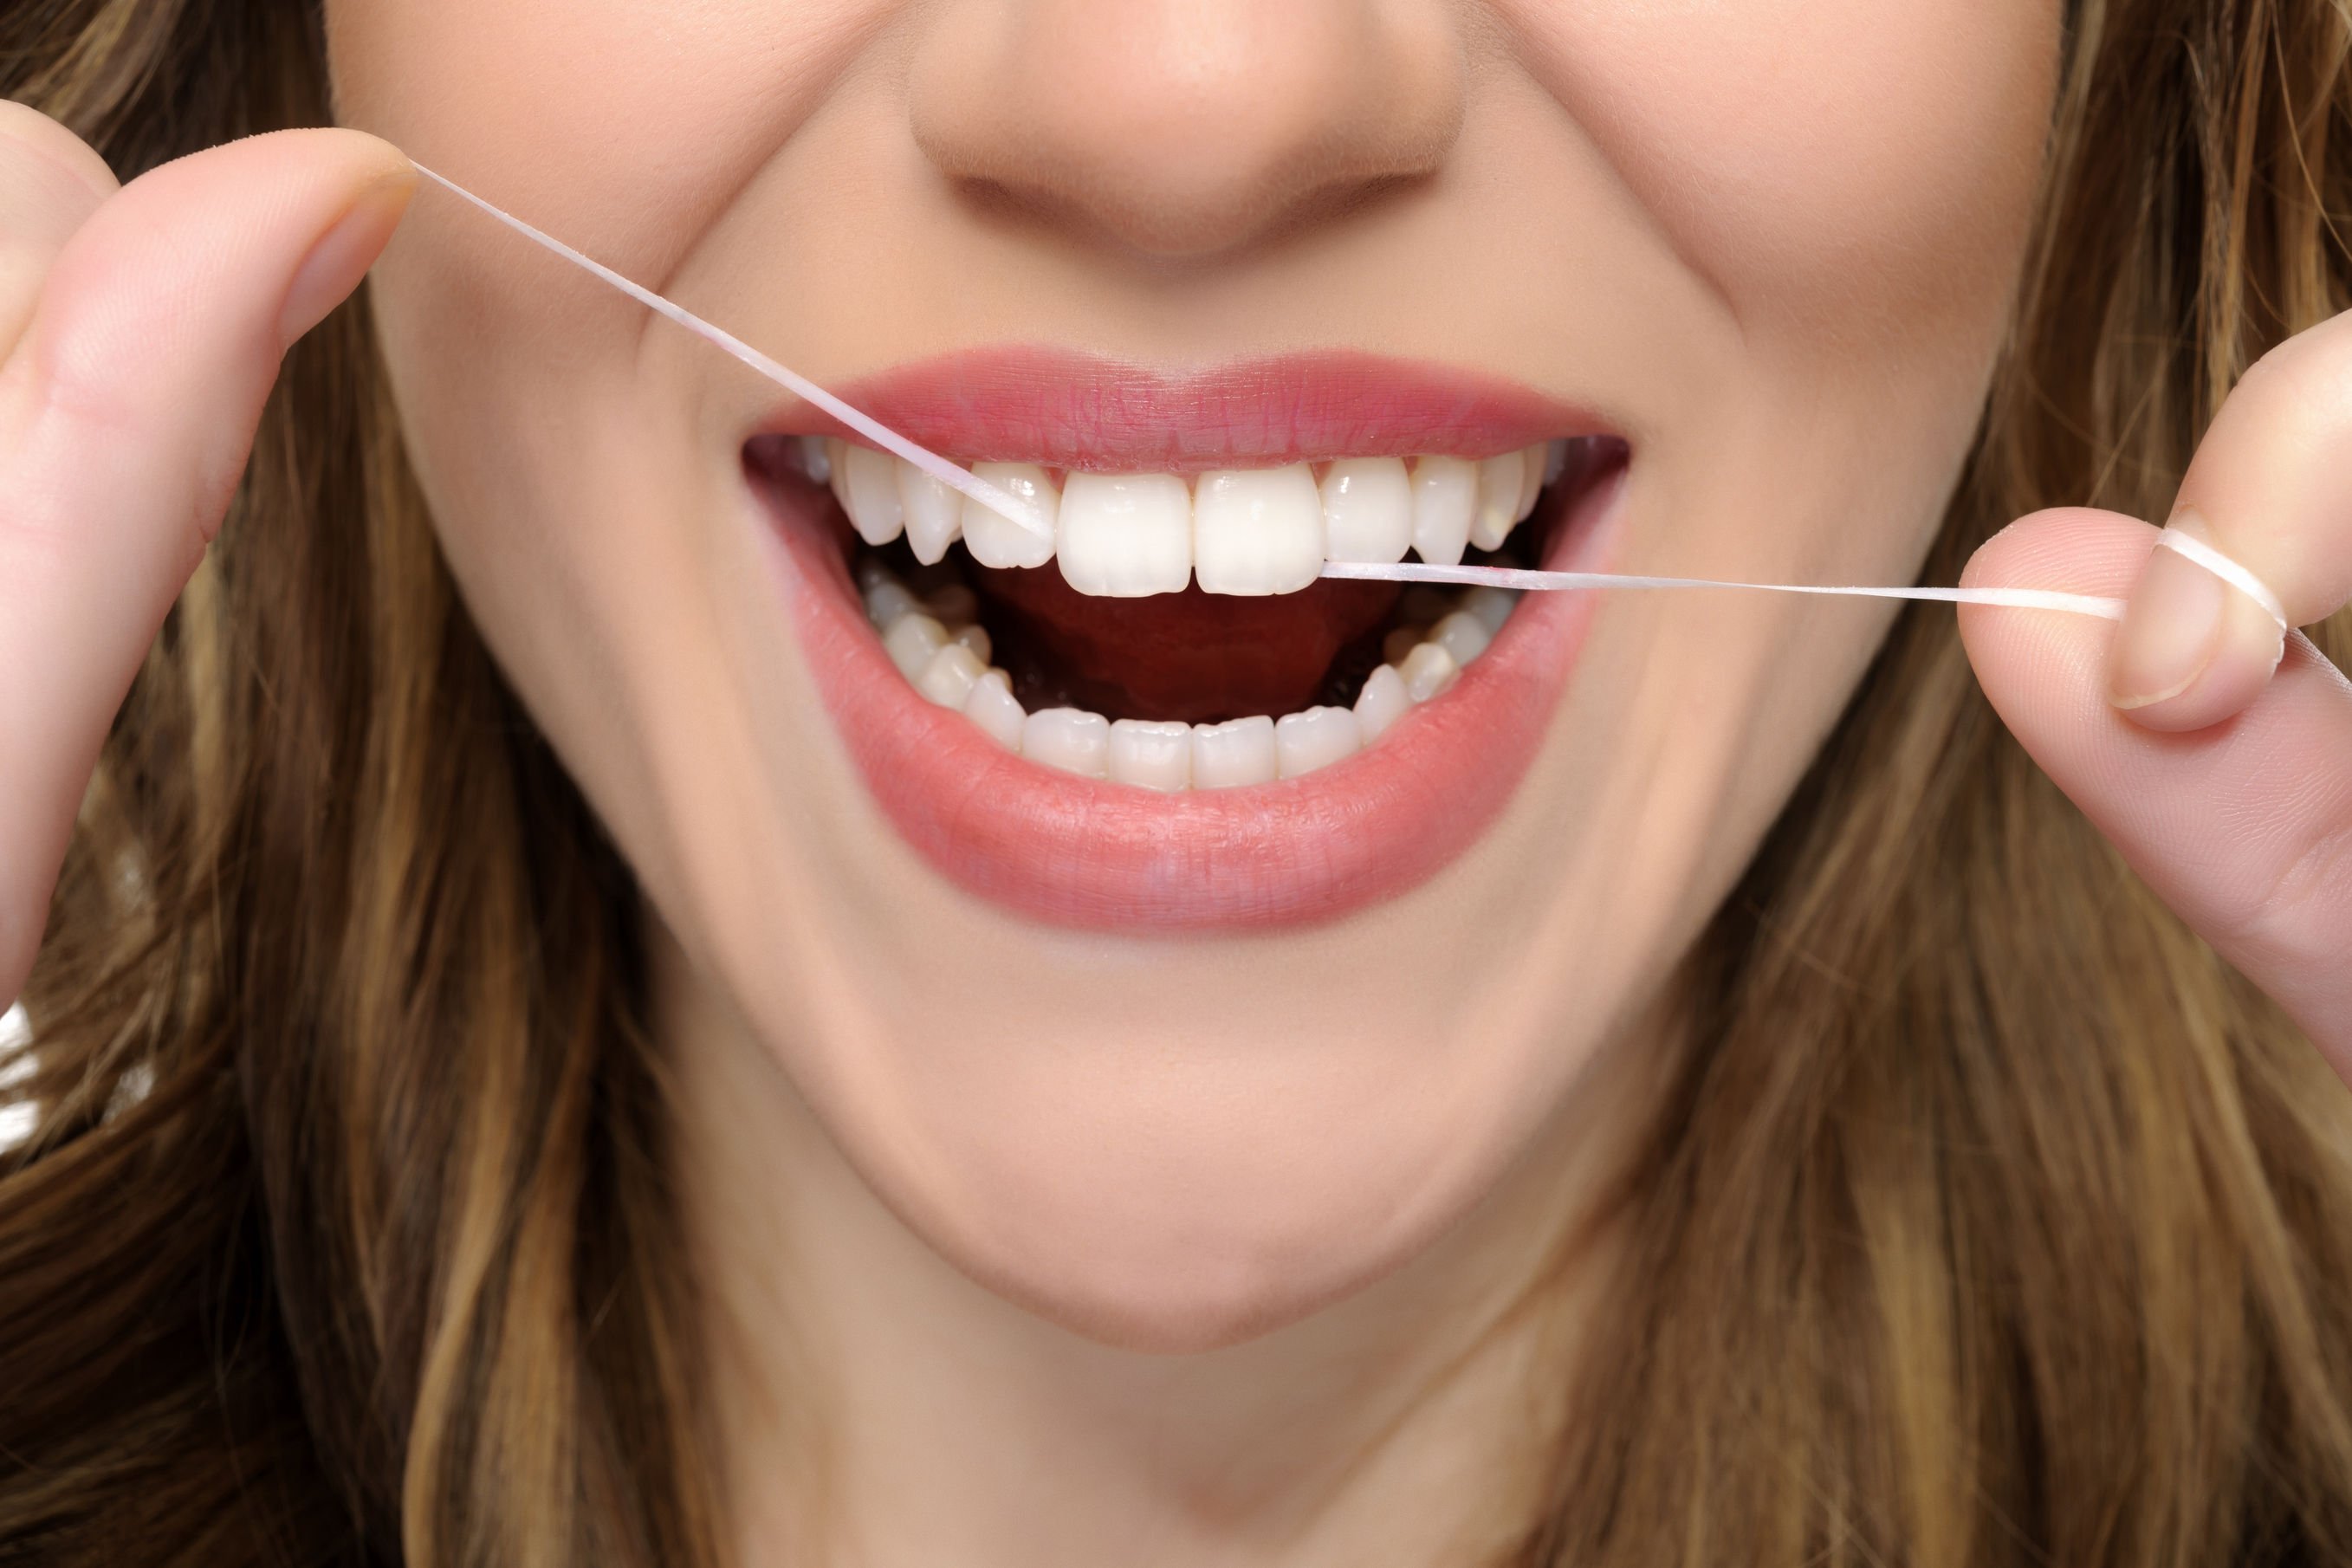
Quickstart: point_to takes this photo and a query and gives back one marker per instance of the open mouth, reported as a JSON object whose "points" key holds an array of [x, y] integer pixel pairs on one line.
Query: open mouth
{"points": [[1175, 633], [1163, 717]]}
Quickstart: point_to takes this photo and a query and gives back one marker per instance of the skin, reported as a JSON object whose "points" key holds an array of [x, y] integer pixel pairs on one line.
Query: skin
{"points": [[1106, 1248]]}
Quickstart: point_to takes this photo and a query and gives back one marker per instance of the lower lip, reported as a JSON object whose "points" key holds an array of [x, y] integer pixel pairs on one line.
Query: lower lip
{"points": [[1072, 851]]}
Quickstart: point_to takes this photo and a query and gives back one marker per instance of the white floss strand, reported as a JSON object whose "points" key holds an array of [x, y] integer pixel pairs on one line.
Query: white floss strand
{"points": [[994, 496], [1006, 503], [2229, 571], [1520, 578]]}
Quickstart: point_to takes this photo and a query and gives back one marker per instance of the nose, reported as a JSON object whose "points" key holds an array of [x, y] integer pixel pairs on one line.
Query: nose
{"points": [[1187, 127]]}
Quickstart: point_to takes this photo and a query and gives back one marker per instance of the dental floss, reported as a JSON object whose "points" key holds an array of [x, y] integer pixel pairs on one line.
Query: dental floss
{"points": [[2227, 570], [996, 499], [1522, 579], [1006, 504]]}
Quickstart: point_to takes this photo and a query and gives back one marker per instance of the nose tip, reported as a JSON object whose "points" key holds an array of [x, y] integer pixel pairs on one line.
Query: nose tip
{"points": [[1186, 128]]}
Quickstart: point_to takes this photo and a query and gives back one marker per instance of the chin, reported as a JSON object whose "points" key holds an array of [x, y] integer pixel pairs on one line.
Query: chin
{"points": [[1182, 1249]]}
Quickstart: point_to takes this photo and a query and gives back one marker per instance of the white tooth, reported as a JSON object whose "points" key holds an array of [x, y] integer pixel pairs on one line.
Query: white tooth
{"points": [[1532, 479], [1555, 461], [949, 678], [1381, 703], [816, 461], [1400, 642], [1237, 751], [1499, 478], [954, 605], [1314, 738], [995, 540], [1428, 672], [912, 640], [933, 512], [1444, 498], [1366, 509], [1125, 535], [1257, 530], [1157, 756], [1492, 606], [869, 489], [836, 458], [991, 705], [886, 601], [975, 638], [1070, 739], [1462, 635]]}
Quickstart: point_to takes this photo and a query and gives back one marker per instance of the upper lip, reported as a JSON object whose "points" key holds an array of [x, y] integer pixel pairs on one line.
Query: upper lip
{"points": [[1067, 409]]}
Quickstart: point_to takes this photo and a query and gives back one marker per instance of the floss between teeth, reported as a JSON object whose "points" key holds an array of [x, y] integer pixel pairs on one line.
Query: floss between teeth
{"points": [[1033, 520]]}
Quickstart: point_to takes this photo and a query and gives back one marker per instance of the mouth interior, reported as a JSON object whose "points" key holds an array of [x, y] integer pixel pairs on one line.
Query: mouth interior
{"points": [[1193, 656], [1199, 657]]}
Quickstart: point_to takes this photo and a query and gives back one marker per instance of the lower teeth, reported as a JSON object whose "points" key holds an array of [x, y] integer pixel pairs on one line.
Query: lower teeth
{"points": [[940, 646]]}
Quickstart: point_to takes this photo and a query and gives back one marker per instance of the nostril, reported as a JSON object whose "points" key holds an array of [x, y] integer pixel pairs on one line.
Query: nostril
{"points": [[1186, 128]]}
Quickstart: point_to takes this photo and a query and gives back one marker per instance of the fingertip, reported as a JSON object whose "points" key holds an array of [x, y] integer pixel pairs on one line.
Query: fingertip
{"points": [[2172, 631], [50, 184], [2072, 549], [343, 255], [2244, 649], [370, 158], [59, 149], [2200, 638], [214, 262], [2079, 548]]}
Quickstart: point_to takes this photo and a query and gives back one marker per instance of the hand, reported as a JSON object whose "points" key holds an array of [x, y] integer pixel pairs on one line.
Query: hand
{"points": [[140, 329], [2212, 749]]}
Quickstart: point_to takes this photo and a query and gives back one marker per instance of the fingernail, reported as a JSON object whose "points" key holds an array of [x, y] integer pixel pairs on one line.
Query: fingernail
{"points": [[2171, 630], [343, 255]]}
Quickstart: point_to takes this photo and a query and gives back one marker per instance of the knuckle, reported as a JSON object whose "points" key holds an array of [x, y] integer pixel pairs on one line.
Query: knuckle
{"points": [[71, 425], [2311, 896], [76, 391]]}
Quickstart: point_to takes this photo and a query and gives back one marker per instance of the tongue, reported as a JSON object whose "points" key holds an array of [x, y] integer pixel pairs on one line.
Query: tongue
{"points": [[1190, 656]]}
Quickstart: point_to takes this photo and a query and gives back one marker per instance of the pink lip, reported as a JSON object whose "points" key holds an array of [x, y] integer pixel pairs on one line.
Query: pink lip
{"points": [[1112, 857], [1072, 410]]}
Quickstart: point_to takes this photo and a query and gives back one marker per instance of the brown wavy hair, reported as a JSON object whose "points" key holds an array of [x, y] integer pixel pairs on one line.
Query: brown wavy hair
{"points": [[1989, 1219]]}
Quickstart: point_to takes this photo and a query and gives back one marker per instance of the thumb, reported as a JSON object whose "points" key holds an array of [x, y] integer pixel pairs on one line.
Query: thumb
{"points": [[2241, 826]]}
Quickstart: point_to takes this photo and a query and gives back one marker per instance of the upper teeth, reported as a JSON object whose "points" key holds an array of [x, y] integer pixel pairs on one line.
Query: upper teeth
{"points": [[1235, 530]]}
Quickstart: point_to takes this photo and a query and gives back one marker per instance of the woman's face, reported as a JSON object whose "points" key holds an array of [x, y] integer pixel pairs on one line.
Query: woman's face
{"points": [[1173, 1068]]}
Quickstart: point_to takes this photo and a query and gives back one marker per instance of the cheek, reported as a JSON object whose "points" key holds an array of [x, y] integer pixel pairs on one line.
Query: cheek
{"points": [[530, 402], [570, 103], [1844, 157]]}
